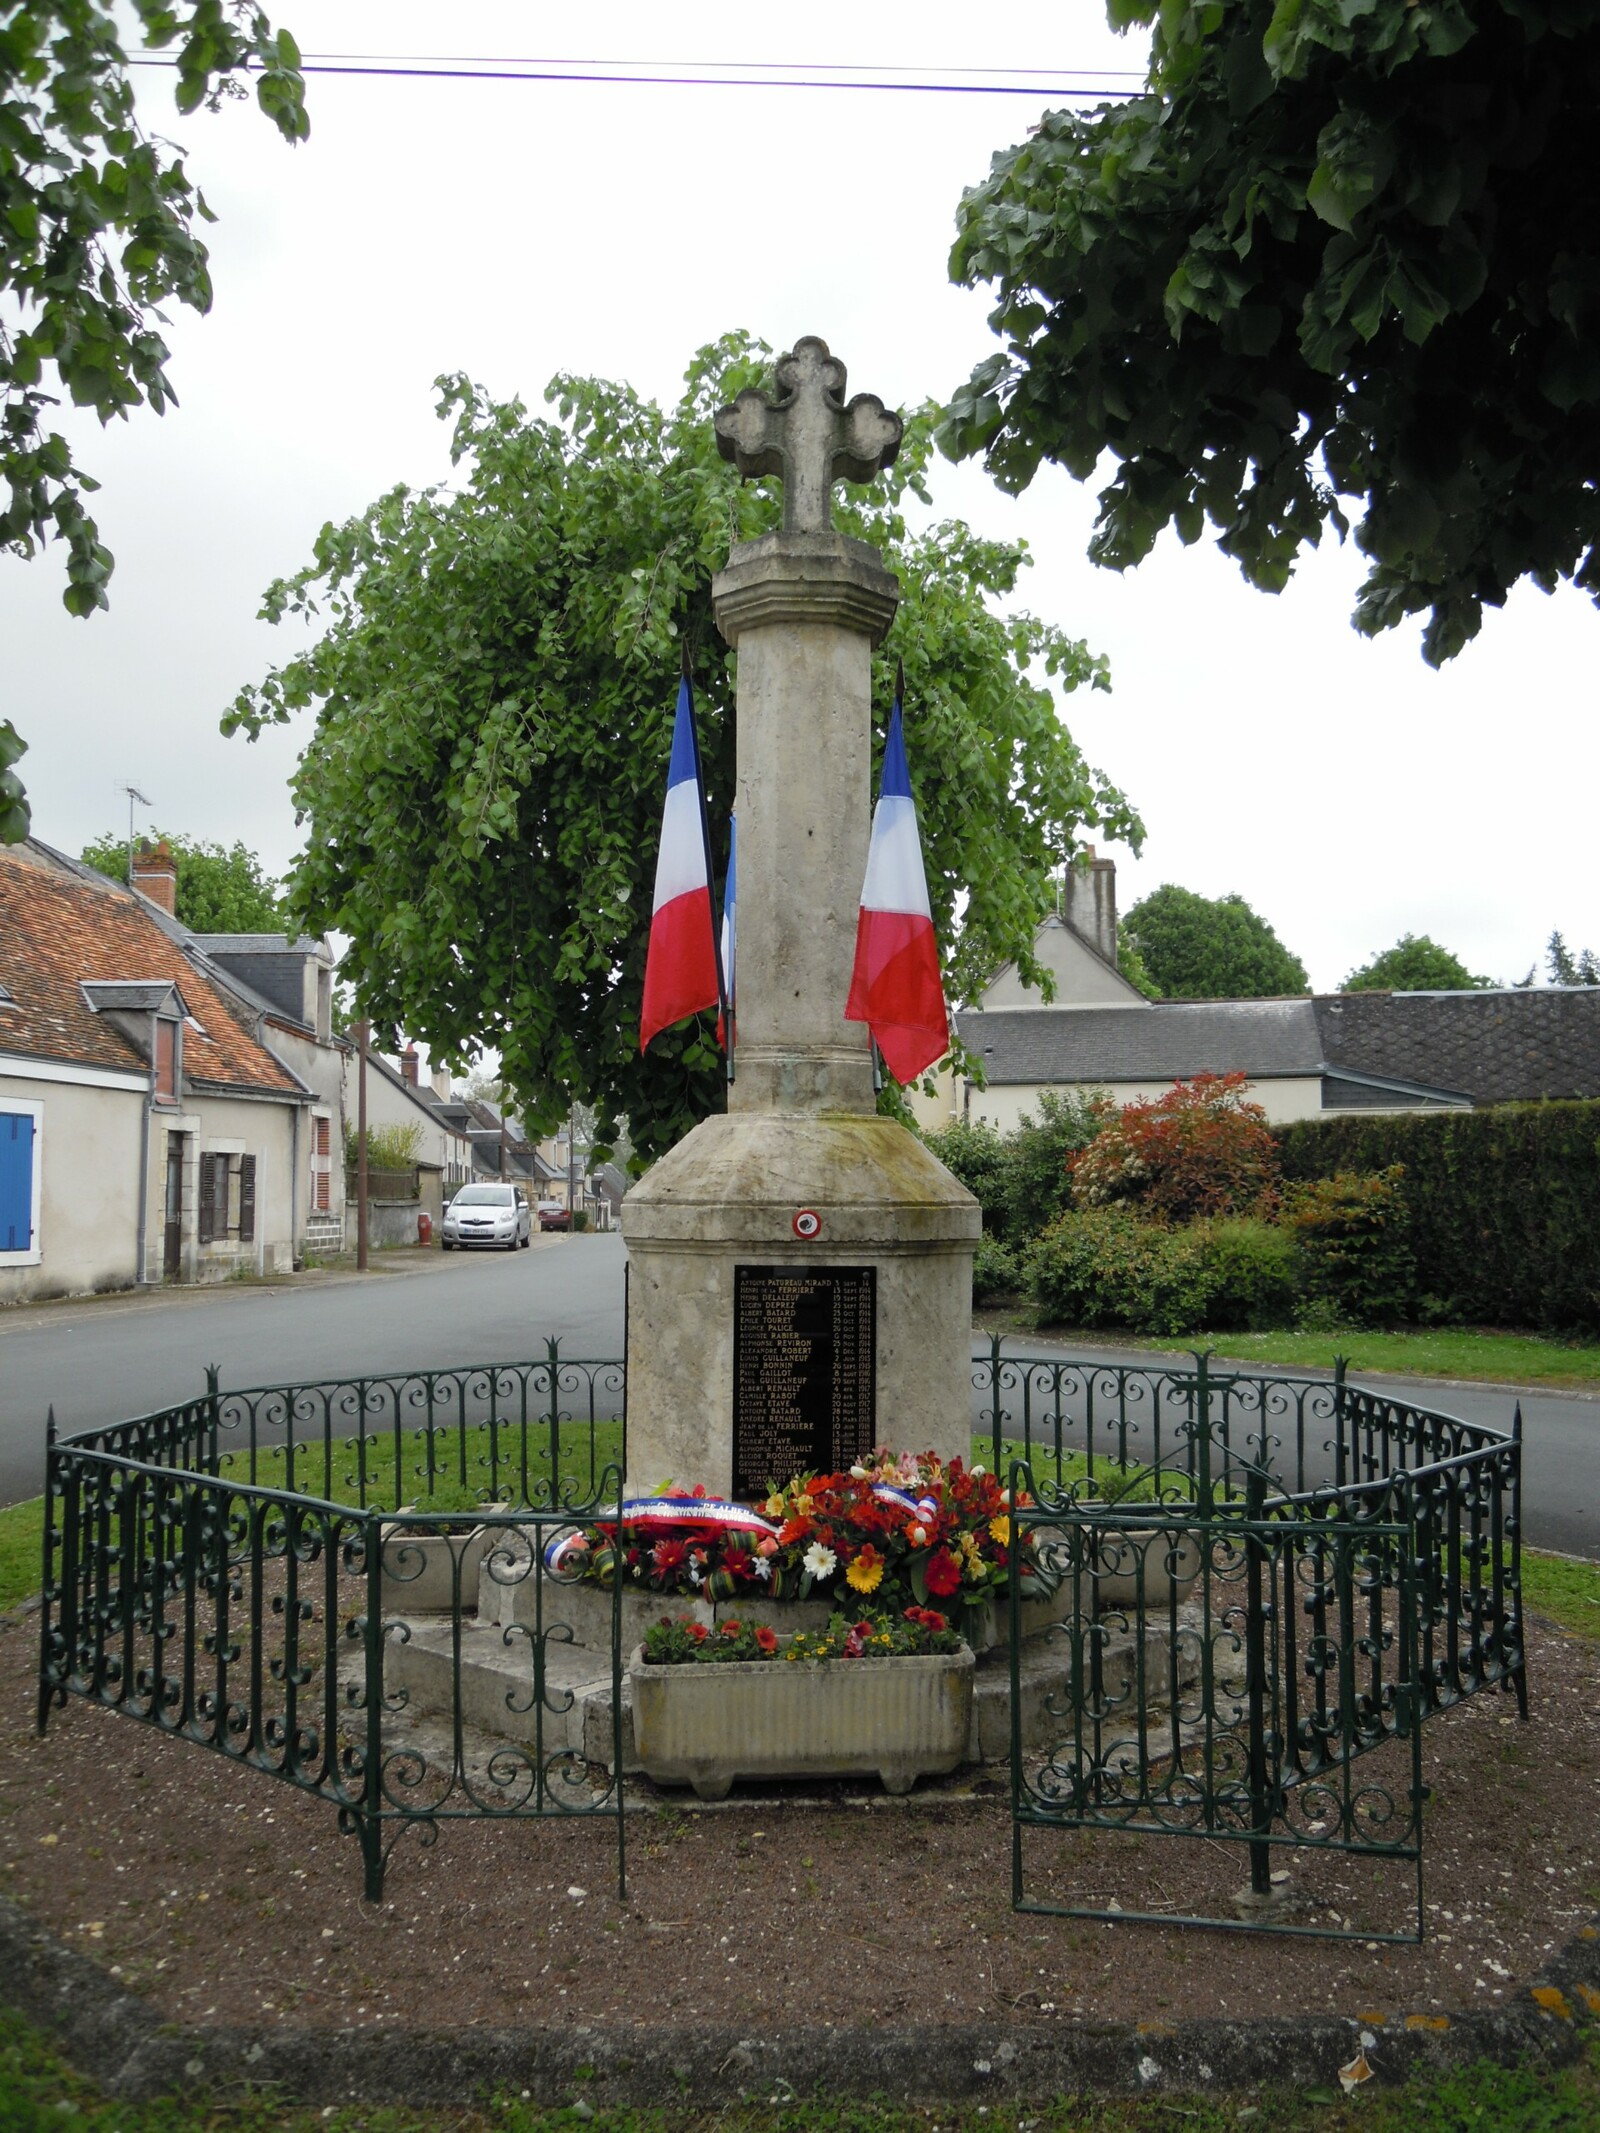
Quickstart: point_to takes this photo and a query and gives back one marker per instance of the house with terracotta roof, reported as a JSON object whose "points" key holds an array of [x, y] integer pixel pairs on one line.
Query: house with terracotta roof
{"points": [[147, 1133]]}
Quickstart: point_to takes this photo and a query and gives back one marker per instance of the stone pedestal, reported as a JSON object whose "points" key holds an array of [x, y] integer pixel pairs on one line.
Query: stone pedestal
{"points": [[805, 609], [728, 1194]]}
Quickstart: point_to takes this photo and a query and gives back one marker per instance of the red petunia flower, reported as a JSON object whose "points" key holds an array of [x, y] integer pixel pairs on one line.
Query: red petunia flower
{"points": [[732, 1629], [766, 1639], [943, 1573], [698, 1631]]}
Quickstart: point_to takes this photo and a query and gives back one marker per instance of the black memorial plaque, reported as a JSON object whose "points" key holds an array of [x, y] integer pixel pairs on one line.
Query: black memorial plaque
{"points": [[804, 1371]]}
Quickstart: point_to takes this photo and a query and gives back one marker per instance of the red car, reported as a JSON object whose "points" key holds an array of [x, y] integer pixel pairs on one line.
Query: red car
{"points": [[552, 1215]]}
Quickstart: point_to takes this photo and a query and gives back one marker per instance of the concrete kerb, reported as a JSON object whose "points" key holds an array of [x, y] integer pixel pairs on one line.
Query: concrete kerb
{"points": [[117, 2040]]}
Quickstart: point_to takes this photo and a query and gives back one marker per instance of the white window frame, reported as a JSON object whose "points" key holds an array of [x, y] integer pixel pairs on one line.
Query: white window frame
{"points": [[29, 1107]]}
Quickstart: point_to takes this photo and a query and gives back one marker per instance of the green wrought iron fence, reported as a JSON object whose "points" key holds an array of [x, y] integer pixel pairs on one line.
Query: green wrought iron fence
{"points": [[269, 1622], [1236, 1641]]}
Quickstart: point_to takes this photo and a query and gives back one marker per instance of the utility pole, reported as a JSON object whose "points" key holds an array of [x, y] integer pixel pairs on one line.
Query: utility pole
{"points": [[363, 1038], [572, 1163]]}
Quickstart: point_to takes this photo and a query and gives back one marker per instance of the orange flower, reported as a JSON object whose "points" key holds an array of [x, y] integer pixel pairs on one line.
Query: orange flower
{"points": [[766, 1639]]}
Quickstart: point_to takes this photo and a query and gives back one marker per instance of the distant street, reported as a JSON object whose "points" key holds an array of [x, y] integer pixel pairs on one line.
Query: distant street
{"points": [[99, 1360], [124, 1355]]}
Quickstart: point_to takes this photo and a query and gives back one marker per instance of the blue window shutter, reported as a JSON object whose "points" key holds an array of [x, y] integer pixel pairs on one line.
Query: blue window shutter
{"points": [[16, 1181]]}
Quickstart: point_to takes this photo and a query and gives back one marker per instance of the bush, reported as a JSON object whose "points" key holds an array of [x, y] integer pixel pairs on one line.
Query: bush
{"points": [[388, 1147], [580, 1219], [1104, 1267], [1020, 1178], [1035, 1185], [1358, 1265], [1252, 1273], [1201, 1149], [976, 1157], [1500, 1205], [1101, 1266], [996, 1270]]}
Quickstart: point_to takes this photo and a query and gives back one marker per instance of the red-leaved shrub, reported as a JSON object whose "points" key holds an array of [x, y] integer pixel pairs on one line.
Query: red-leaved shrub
{"points": [[1202, 1149]]}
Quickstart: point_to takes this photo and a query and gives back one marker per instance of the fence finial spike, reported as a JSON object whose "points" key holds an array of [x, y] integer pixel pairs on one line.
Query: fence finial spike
{"points": [[1516, 1421]]}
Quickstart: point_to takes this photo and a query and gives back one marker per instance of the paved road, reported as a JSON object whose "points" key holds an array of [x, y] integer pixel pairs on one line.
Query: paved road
{"points": [[1561, 1437], [122, 1355], [99, 1360]]}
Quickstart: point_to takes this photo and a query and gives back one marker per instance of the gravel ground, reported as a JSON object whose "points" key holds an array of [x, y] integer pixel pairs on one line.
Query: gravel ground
{"points": [[222, 1896]]}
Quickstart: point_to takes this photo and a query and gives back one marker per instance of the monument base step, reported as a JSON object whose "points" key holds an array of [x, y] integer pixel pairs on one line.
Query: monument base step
{"points": [[491, 1692]]}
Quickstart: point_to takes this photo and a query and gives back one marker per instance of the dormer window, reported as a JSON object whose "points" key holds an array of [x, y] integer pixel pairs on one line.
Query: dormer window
{"points": [[166, 1061]]}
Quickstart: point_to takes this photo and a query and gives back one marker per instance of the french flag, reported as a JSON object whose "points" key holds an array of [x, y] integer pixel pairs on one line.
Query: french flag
{"points": [[895, 987], [680, 971]]}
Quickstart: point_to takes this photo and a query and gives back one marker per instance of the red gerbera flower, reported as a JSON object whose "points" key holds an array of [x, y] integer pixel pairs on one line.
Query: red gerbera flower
{"points": [[943, 1574]]}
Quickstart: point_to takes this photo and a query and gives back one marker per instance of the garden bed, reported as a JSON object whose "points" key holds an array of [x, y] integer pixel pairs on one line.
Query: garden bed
{"points": [[225, 1897]]}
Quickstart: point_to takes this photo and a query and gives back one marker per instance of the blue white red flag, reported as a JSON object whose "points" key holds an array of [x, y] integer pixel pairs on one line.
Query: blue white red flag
{"points": [[680, 971], [895, 988], [727, 1034]]}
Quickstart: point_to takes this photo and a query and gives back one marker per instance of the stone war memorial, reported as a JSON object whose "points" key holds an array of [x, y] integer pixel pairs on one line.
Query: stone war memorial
{"points": [[800, 1270], [803, 1529]]}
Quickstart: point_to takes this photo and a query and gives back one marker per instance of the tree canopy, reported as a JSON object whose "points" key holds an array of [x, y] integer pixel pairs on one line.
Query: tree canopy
{"points": [[1338, 248], [494, 694], [97, 231], [221, 889], [1211, 948], [1414, 964]]}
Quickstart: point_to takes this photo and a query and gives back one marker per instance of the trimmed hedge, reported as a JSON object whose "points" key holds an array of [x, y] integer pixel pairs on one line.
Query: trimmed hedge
{"points": [[1503, 1205]]}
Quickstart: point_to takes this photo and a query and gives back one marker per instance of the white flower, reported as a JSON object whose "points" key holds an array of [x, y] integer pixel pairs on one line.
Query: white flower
{"points": [[858, 1473], [696, 1576], [978, 1472], [820, 1561], [763, 1567]]}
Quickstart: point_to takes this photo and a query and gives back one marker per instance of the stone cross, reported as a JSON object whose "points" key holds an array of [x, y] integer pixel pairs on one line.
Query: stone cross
{"points": [[808, 435]]}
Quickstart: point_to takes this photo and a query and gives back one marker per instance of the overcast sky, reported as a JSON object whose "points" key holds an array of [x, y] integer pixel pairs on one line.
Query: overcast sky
{"points": [[515, 229]]}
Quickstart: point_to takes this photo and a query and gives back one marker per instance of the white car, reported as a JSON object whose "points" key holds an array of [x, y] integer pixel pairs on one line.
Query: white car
{"points": [[495, 1215]]}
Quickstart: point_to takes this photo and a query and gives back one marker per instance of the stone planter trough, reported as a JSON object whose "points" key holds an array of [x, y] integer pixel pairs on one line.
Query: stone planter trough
{"points": [[707, 1725]]}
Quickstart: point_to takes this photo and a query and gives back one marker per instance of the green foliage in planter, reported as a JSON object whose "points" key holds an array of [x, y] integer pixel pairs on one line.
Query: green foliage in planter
{"points": [[1356, 1256], [1105, 1267], [996, 1270], [1500, 1205], [919, 1633]]}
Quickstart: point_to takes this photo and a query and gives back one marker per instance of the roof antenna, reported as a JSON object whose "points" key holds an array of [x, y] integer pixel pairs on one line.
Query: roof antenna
{"points": [[133, 794]]}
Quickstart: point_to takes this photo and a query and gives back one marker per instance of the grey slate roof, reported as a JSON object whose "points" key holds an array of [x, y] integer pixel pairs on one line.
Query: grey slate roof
{"points": [[1154, 1042], [1492, 1047], [1497, 1047], [121, 996]]}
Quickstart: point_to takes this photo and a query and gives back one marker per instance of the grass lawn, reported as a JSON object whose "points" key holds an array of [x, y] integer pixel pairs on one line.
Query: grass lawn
{"points": [[38, 2091], [1448, 1352]]}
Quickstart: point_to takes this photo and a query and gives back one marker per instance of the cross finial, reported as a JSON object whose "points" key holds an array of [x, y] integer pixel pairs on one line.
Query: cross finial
{"points": [[808, 435]]}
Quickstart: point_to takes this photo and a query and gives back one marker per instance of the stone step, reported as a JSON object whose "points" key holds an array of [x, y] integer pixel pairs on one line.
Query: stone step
{"points": [[496, 1682]]}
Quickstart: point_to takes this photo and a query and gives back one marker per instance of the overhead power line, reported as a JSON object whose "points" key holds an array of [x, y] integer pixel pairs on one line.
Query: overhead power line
{"points": [[1075, 85]]}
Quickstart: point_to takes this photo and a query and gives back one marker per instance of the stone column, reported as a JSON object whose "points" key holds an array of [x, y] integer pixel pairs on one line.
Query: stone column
{"points": [[805, 611], [801, 1139]]}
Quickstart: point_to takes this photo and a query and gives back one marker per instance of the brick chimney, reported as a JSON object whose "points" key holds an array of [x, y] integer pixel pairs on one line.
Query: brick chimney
{"points": [[410, 1066], [1089, 903], [155, 874]]}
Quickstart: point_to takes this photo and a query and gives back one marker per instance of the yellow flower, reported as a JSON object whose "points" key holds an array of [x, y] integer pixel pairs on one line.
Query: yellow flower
{"points": [[866, 1572], [1000, 1529]]}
